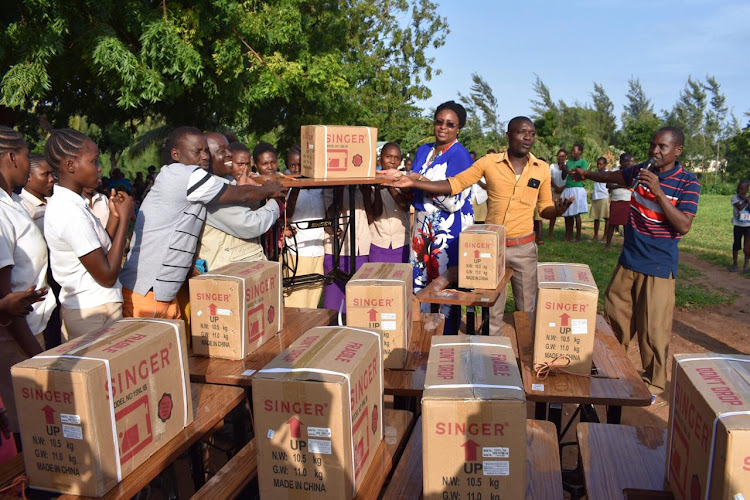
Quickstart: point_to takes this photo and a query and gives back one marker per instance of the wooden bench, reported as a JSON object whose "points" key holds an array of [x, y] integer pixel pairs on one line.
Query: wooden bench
{"points": [[8, 472], [543, 475], [231, 479], [242, 468], [619, 457]]}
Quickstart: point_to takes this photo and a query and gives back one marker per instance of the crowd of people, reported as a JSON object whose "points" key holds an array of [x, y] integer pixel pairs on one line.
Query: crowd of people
{"points": [[73, 261]]}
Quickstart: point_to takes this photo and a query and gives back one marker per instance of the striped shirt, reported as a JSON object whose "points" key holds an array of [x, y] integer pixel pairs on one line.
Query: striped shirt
{"points": [[650, 240], [167, 230]]}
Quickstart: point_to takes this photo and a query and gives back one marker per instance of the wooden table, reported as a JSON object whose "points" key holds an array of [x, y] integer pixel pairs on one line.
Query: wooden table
{"points": [[543, 476], [9, 471], [619, 457], [609, 359], [438, 292], [240, 372], [211, 403], [406, 385]]}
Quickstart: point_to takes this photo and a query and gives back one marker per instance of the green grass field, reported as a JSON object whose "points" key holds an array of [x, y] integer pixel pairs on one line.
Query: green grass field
{"points": [[710, 238]]}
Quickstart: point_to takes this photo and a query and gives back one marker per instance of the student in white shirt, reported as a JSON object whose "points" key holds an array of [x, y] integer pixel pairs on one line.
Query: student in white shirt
{"points": [[600, 202], [390, 213], [85, 257], [23, 266], [37, 189]]}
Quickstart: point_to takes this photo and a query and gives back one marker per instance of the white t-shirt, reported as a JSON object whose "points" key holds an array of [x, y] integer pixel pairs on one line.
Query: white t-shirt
{"points": [[22, 246], [72, 231], [309, 206], [620, 194], [556, 175], [600, 191], [741, 217]]}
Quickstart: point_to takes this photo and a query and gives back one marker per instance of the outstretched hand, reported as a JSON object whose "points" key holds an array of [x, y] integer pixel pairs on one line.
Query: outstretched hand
{"points": [[562, 204], [578, 174], [390, 174]]}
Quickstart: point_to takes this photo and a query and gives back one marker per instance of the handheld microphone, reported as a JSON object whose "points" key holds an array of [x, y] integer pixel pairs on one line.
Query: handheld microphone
{"points": [[649, 165]]}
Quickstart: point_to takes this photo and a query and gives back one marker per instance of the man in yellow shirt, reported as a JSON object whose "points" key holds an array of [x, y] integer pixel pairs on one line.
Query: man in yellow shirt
{"points": [[517, 182]]}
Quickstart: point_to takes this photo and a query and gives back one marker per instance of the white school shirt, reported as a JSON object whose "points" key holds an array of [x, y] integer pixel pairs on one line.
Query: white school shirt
{"points": [[72, 231], [310, 206], [23, 248]]}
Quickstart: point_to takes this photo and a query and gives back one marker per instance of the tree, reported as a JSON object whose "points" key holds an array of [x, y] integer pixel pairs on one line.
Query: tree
{"points": [[689, 114], [638, 103], [254, 66], [604, 118], [635, 135], [716, 125], [484, 129], [738, 155], [543, 102]]}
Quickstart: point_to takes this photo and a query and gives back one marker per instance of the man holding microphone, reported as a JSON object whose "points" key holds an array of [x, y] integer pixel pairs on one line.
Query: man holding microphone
{"points": [[640, 297]]}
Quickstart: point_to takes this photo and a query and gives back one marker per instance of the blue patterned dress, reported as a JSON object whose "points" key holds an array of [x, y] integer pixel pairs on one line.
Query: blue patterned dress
{"points": [[438, 219]]}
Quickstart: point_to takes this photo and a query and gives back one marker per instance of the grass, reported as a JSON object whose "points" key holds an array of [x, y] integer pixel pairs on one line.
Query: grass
{"points": [[710, 237], [689, 291]]}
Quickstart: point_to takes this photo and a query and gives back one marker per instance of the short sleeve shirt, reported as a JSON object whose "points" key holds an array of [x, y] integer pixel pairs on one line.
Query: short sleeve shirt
{"points": [[23, 248], [572, 165], [650, 240], [167, 230], [740, 218], [72, 231]]}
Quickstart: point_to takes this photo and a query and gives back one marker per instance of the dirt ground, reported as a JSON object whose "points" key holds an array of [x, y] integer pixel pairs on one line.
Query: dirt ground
{"points": [[723, 329]]}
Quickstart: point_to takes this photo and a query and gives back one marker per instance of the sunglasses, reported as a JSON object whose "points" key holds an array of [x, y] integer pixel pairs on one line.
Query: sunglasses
{"points": [[450, 125]]}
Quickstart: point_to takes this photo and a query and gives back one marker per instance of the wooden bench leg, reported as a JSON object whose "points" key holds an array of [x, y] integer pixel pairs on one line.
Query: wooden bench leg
{"points": [[196, 459], [614, 414], [540, 411], [485, 321], [470, 330]]}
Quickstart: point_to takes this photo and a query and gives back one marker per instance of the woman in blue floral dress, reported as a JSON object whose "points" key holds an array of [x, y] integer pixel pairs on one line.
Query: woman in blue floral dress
{"points": [[439, 219]]}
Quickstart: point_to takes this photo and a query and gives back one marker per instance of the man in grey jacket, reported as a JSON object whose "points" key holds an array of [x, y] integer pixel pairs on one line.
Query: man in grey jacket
{"points": [[231, 231]]}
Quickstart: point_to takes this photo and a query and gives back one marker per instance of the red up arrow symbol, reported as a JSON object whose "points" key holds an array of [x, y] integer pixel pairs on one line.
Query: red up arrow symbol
{"points": [[294, 427], [470, 450], [49, 414], [212, 309], [476, 254], [564, 320], [373, 314]]}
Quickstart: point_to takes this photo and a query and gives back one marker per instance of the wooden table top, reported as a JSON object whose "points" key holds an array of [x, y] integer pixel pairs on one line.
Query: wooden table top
{"points": [[543, 475], [616, 457], [8, 472], [410, 380], [610, 359], [240, 372], [211, 403], [307, 182], [438, 292]]}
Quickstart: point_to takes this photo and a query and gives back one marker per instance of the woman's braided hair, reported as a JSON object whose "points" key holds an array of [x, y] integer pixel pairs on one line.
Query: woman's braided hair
{"points": [[10, 140], [64, 143]]}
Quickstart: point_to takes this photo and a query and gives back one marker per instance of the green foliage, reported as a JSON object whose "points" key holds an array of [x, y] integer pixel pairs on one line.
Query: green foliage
{"points": [[738, 155], [635, 135], [253, 66], [638, 103]]}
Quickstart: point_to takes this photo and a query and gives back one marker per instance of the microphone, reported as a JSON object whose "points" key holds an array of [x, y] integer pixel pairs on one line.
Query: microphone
{"points": [[649, 165]]}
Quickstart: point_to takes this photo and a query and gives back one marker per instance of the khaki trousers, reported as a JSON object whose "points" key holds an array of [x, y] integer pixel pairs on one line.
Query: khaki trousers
{"points": [[79, 322], [307, 296], [522, 259], [642, 305]]}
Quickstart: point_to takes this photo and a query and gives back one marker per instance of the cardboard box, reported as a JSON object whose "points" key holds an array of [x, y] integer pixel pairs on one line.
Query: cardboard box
{"points": [[708, 448], [379, 296], [235, 309], [565, 316], [473, 420], [337, 152], [318, 409], [97, 407], [481, 256]]}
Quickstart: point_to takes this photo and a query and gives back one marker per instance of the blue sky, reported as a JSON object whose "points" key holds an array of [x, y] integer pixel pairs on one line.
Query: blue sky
{"points": [[571, 44]]}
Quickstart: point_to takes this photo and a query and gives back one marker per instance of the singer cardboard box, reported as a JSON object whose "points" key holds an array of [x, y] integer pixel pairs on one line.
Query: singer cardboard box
{"points": [[379, 296], [235, 309], [708, 446], [481, 256], [318, 410], [97, 407], [565, 315], [336, 152], [473, 420]]}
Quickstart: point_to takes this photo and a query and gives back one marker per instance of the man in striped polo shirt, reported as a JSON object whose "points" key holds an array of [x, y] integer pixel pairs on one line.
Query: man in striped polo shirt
{"points": [[640, 298]]}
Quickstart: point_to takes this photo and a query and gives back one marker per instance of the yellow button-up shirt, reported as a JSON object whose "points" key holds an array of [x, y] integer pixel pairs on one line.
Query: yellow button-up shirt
{"points": [[511, 202]]}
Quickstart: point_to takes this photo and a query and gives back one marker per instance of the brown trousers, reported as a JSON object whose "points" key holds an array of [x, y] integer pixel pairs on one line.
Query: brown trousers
{"points": [[522, 259], [642, 305]]}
